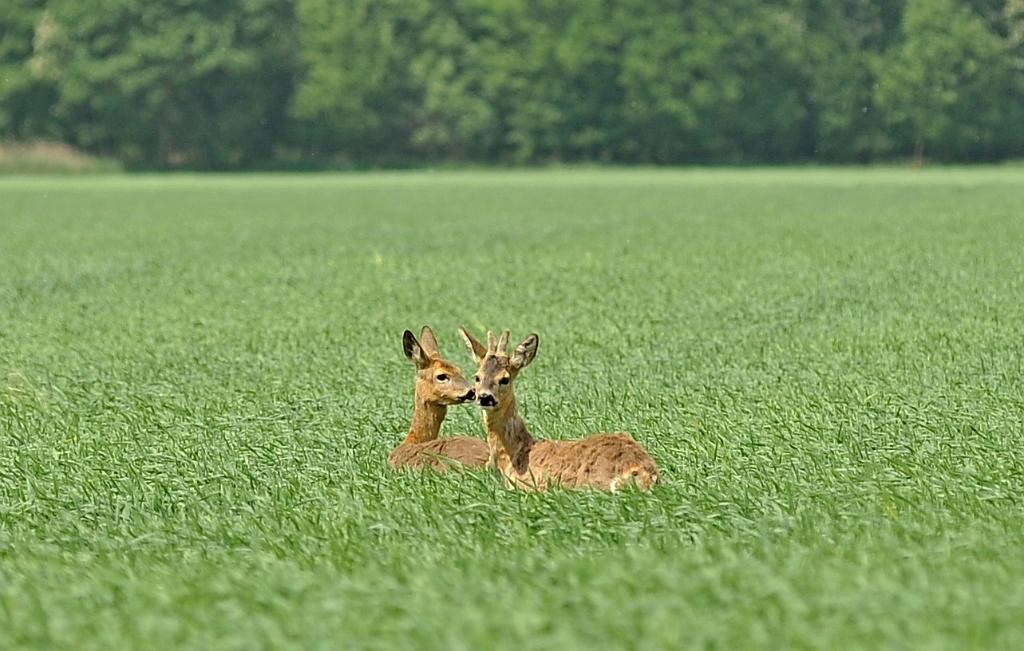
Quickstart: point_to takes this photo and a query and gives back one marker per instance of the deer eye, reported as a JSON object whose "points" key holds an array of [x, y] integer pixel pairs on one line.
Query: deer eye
{"points": [[476, 378], [442, 378], [503, 380]]}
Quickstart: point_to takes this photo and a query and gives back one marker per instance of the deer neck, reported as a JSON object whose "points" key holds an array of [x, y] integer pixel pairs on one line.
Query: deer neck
{"points": [[508, 440], [427, 417]]}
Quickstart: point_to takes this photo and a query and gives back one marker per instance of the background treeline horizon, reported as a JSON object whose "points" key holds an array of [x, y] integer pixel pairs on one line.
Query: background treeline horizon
{"points": [[258, 83]]}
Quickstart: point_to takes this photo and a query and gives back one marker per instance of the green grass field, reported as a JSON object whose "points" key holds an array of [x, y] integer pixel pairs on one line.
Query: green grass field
{"points": [[201, 378]]}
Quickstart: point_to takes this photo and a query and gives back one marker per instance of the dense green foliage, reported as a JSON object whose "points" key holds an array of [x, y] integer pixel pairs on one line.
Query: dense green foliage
{"points": [[199, 83], [947, 81], [201, 378], [261, 82]]}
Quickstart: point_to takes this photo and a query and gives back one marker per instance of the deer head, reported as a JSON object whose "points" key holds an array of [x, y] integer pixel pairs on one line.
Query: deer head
{"points": [[497, 368], [437, 381]]}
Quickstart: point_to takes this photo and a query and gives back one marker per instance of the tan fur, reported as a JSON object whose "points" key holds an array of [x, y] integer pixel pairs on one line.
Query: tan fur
{"points": [[440, 454], [421, 447], [606, 461]]}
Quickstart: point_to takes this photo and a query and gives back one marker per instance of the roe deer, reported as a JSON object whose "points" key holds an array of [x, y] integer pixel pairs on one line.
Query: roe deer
{"points": [[439, 383], [604, 461]]}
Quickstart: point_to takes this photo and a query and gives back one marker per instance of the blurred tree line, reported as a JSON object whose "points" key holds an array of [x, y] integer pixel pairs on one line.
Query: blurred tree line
{"points": [[236, 83]]}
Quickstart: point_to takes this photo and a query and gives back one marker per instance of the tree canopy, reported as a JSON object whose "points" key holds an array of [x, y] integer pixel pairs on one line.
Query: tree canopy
{"points": [[241, 83]]}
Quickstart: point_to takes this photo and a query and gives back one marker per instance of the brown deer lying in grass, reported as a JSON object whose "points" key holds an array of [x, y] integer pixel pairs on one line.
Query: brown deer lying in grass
{"points": [[604, 461], [439, 383]]}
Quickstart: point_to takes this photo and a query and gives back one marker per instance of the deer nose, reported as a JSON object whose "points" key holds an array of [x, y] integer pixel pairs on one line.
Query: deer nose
{"points": [[469, 395], [487, 400]]}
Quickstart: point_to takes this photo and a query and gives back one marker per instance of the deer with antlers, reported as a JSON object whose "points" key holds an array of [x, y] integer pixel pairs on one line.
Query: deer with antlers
{"points": [[603, 461], [439, 384]]}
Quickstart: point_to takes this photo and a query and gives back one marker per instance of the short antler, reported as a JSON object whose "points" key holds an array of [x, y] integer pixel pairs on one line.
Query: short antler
{"points": [[503, 343], [491, 345]]}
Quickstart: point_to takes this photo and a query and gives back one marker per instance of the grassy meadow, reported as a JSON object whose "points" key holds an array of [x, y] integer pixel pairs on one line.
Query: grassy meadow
{"points": [[201, 378]]}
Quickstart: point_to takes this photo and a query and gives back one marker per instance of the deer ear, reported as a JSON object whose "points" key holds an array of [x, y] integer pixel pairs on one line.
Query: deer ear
{"points": [[413, 350], [525, 352], [428, 342], [475, 348]]}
